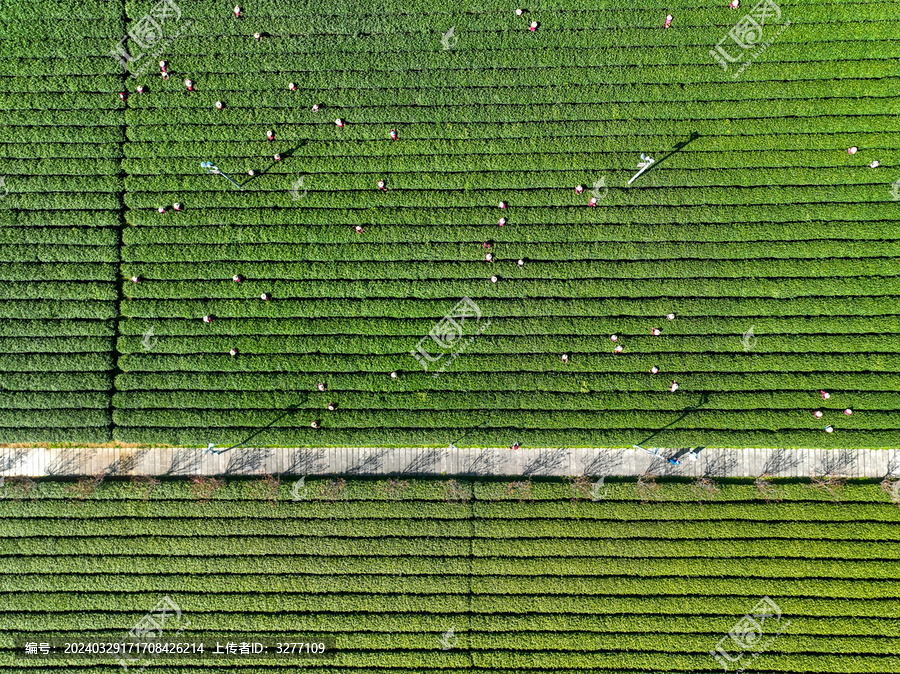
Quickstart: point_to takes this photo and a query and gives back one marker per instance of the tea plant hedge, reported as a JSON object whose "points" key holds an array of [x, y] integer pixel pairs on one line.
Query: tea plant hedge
{"points": [[61, 216], [531, 577], [754, 216]]}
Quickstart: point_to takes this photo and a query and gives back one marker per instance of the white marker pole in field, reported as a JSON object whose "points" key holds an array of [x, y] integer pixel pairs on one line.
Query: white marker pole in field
{"points": [[643, 166], [215, 170]]}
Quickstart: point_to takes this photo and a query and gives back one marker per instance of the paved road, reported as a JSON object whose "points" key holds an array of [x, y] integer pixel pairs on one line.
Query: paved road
{"points": [[348, 461]]}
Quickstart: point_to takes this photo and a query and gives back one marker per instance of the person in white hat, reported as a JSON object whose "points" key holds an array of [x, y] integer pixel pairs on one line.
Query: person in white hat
{"points": [[654, 370], [674, 387]]}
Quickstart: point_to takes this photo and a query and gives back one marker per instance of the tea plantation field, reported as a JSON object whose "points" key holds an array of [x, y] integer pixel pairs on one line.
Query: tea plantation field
{"points": [[442, 576], [774, 248]]}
